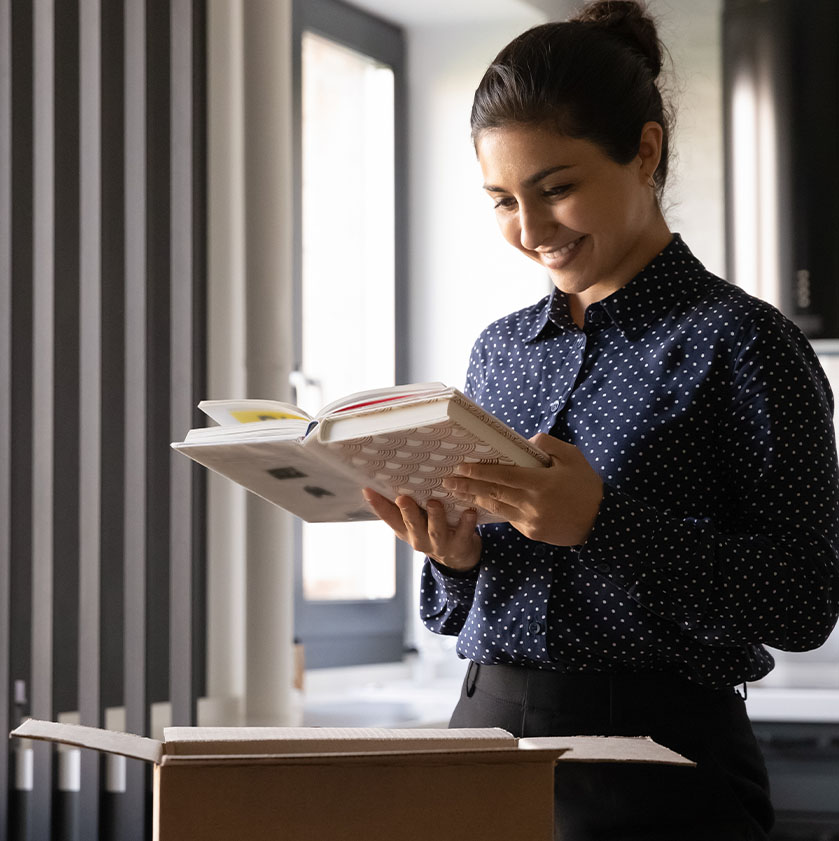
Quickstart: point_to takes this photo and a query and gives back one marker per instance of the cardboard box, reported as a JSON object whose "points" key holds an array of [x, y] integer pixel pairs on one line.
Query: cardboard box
{"points": [[319, 784]]}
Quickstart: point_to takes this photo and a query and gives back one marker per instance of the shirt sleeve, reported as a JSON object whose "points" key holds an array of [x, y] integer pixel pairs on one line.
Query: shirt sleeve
{"points": [[446, 595], [770, 572]]}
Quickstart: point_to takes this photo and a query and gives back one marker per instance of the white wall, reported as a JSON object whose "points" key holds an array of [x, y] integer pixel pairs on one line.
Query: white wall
{"points": [[694, 201], [462, 274]]}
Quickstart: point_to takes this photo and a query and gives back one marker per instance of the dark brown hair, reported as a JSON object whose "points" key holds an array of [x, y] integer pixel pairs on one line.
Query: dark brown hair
{"points": [[593, 77]]}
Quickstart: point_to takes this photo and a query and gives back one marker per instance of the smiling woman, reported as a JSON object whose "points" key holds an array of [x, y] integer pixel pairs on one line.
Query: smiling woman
{"points": [[563, 202], [690, 516]]}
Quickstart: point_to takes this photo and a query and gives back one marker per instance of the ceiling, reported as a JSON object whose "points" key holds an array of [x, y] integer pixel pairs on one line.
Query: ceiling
{"points": [[427, 12]]}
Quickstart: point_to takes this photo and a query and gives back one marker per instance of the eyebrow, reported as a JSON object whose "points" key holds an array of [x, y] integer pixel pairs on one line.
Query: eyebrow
{"points": [[531, 180]]}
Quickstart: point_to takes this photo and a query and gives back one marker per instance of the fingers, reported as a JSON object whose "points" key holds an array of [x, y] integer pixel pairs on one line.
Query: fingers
{"points": [[484, 491], [386, 511], [505, 475], [428, 531], [506, 502], [443, 538], [488, 481], [416, 523], [458, 547], [438, 524], [552, 446]]}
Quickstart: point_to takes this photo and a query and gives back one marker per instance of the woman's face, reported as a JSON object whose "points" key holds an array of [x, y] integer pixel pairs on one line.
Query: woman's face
{"points": [[593, 223]]}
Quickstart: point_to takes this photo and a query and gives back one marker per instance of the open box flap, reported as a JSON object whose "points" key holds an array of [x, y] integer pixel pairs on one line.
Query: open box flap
{"points": [[376, 758], [205, 741], [606, 749], [108, 741]]}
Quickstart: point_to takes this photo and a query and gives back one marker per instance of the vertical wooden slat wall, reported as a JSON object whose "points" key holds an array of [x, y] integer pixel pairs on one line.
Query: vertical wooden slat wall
{"points": [[5, 378], [102, 358]]}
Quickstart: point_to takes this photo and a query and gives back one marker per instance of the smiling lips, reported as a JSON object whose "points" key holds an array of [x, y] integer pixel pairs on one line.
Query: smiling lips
{"points": [[559, 256]]}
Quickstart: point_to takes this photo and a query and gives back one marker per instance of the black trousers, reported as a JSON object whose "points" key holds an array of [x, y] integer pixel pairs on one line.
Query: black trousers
{"points": [[724, 798]]}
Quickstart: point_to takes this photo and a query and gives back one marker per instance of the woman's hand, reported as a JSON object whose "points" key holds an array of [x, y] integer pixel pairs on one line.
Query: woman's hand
{"points": [[429, 532], [556, 505]]}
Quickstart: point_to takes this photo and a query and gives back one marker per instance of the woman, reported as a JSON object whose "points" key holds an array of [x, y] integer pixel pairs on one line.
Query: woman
{"points": [[690, 513]]}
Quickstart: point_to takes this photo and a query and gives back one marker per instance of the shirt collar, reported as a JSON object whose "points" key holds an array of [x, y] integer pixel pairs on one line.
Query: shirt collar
{"points": [[633, 307], [553, 316]]}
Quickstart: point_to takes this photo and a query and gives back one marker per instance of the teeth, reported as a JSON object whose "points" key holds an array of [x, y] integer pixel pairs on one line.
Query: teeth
{"points": [[566, 248]]}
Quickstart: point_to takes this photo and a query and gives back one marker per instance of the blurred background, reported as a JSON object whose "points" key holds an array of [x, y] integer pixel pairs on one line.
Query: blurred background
{"points": [[279, 199]]}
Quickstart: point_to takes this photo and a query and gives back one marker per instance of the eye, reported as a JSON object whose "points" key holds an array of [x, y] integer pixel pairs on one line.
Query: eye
{"points": [[558, 191], [504, 203]]}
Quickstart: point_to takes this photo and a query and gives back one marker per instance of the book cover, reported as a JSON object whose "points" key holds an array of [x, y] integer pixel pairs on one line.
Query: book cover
{"points": [[401, 440]]}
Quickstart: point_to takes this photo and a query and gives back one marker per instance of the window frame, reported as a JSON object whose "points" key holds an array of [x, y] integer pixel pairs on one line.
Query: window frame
{"points": [[352, 632]]}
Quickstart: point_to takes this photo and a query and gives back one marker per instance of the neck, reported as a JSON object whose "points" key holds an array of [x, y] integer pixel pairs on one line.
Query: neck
{"points": [[657, 239]]}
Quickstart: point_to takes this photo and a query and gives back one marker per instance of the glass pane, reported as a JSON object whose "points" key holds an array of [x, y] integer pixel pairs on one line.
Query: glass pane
{"points": [[348, 282]]}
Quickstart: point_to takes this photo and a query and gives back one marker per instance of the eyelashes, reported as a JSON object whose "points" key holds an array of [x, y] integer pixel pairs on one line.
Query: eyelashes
{"points": [[561, 190], [549, 193], [504, 203]]}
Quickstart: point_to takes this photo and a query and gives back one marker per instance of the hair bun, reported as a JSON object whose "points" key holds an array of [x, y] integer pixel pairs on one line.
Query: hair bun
{"points": [[630, 21]]}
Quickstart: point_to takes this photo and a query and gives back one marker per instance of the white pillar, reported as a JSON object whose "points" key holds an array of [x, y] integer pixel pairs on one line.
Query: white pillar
{"points": [[268, 133], [226, 548], [250, 586]]}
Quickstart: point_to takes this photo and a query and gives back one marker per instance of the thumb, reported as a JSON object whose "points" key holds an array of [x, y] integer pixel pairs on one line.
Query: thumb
{"points": [[550, 445]]}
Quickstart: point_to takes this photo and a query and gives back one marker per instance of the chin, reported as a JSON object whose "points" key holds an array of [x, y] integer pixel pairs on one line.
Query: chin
{"points": [[570, 286]]}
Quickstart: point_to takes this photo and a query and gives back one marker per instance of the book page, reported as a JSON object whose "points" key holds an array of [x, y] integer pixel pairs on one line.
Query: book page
{"points": [[286, 474], [290, 429], [233, 412], [373, 397]]}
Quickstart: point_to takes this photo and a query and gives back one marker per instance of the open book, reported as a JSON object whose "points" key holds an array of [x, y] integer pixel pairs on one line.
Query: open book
{"points": [[398, 440]]}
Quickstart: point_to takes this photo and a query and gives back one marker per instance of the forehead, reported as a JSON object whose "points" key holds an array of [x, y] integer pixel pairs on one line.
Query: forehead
{"points": [[518, 151]]}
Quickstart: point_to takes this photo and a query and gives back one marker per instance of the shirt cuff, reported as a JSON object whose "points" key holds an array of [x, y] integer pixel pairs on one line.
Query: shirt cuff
{"points": [[456, 583], [622, 533]]}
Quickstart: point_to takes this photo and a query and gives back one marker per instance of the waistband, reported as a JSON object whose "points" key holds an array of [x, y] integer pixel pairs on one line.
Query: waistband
{"points": [[587, 692]]}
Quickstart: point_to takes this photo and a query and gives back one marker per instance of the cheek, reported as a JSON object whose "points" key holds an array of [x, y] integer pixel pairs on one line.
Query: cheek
{"points": [[614, 211], [581, 214]]}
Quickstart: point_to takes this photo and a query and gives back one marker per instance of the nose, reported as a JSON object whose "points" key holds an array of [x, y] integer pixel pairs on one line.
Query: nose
{"points": [[536, 225]]}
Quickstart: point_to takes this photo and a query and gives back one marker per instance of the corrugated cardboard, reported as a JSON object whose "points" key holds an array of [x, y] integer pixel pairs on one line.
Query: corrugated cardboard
{"points": [[320, 784]]}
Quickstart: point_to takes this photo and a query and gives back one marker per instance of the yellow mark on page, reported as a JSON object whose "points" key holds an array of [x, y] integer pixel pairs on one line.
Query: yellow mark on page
{"points": [[249, 416]]}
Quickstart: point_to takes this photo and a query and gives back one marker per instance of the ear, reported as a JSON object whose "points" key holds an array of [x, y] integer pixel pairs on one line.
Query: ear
{"points": [[649, 150]]}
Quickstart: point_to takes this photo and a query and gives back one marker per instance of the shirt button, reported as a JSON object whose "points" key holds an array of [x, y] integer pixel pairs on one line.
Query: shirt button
{"points": [[535, 628], [539, 551], [603, 566], [554, 405], [596, 317]]}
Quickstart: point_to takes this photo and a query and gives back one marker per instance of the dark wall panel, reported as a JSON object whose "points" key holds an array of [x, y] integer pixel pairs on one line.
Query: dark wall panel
{"points": [[102, 257]]}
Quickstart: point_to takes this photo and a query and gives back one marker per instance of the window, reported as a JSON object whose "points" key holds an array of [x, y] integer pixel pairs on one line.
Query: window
{"points": [[349, 602], [347, 281]]}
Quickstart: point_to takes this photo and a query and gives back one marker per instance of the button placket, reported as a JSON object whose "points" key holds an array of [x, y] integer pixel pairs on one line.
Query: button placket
{"points": [[560, 368]]}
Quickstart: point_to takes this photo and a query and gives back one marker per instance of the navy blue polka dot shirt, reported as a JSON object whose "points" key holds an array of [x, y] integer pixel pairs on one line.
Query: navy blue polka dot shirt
{"points": [[708, 417]]}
